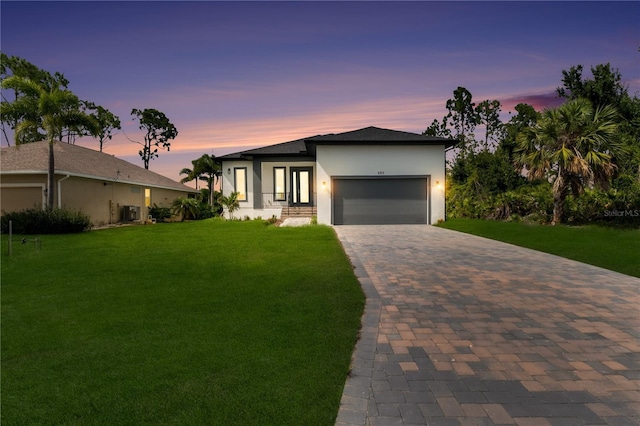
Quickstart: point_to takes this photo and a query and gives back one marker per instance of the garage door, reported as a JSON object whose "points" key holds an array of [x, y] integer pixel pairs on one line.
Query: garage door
{"points": [[378, 201]]}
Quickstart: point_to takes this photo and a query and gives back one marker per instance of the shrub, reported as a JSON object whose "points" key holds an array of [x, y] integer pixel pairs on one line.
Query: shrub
{"points": [[534, 202], [160, 214], [611, 206], [46, 221], [188, 208]]}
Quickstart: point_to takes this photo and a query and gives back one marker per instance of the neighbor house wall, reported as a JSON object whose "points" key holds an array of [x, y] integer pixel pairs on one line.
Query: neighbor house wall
{"points": [[102, 200], [379, 160], [20, 192]]}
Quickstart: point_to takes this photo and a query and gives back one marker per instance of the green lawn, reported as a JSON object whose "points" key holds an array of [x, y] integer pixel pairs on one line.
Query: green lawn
{"points": [[611, 248], [210, 322]]}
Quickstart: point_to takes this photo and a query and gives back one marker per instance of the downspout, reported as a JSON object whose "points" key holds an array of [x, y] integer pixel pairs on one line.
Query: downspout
{"points": [[60, 190]]}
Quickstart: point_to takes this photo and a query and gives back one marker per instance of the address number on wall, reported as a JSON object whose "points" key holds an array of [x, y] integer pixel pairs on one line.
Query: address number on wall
{"points": [[380, 172]]}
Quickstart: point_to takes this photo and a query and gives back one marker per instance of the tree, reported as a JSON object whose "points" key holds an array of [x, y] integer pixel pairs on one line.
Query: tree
{"points": [[606, 88], [209, 171], [526, 116], [463, 117], [104, 123], [488, 113], [205, 169], [190, 175], [24, 105], [572, 146], [438, 129], [49, 108], [159, 131]]}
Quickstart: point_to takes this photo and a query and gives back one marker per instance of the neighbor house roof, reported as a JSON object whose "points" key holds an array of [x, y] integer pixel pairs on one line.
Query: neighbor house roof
{"points": [[75, 160], [367, 135]]}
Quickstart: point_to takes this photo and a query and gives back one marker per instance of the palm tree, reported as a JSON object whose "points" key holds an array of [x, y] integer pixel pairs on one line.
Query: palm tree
{"points": [[231, 203], [190, 176], [205, 169], [573, 146], [188, 208], [55, 109], [209, 171]]}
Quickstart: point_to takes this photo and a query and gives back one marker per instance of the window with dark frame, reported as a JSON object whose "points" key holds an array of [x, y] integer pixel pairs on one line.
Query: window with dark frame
{"points": [[240, 182], [279, 184]]}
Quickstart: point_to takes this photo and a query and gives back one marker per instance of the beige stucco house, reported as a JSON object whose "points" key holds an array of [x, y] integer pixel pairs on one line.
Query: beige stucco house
{"points": [[106, 188], [365, 176]]}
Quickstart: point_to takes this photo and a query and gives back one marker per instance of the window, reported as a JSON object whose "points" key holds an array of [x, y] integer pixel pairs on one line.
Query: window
{"points": [[240, 180], [147, 197], [279, 192]]}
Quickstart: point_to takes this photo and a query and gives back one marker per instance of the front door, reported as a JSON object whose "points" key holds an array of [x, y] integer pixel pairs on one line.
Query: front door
{"points": [[301, 186]]}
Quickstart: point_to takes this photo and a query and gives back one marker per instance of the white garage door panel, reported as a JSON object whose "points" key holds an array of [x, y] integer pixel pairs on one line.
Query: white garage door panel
{"points": [[380, 201]]}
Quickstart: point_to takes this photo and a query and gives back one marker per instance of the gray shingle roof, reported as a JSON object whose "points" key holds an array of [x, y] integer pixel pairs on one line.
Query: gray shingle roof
{"points": [[368, 135], [76, 160], [376, 134], [296, 147]]}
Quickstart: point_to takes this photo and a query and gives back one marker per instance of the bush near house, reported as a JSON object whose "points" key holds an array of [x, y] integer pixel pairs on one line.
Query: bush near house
{"points": [[160, 214], [46, 221]]}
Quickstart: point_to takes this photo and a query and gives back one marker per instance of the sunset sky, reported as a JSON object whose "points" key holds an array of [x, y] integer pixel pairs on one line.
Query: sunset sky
{"points": [[237, 75]]}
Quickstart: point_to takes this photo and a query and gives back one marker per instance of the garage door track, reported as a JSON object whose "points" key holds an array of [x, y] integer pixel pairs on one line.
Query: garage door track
{"points": [[461, 330]]}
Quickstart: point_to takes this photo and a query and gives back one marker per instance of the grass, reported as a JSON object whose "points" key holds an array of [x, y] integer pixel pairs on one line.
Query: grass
{"points": [[616, 249], [209, 322]]}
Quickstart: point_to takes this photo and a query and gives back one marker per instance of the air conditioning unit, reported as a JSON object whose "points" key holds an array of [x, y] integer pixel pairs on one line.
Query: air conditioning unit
{"points": [[130, 213]]}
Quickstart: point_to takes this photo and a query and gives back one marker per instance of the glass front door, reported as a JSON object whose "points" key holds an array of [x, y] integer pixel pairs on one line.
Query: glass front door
{"points": [[301, 186]]}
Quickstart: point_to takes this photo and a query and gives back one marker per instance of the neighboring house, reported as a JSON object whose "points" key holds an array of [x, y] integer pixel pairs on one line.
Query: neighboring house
{"points": [[366, 176], [100, 185]]}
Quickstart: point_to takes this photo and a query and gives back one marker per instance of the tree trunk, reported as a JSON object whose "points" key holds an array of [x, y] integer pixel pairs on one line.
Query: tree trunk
{"points": [[51, 177], [559, 195]]}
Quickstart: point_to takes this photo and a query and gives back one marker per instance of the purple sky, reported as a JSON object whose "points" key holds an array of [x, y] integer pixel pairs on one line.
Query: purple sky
{"points": [[236, 75]]}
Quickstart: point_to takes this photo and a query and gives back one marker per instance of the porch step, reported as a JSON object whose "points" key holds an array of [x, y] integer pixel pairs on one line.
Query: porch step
{"points": [[297, 212]]}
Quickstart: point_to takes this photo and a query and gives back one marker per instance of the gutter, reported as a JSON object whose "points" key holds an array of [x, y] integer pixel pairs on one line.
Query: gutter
{"points": [[60, 190]]}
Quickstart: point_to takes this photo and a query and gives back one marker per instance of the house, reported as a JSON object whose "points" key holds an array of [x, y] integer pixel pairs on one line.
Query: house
{"points": [[366, 176], [100, 185]]}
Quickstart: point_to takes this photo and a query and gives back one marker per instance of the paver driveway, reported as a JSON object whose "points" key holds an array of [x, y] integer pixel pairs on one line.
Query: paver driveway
{"points": [[461, 330]]}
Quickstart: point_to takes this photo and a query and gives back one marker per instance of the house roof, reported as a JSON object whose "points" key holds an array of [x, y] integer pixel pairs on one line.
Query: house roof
{"points": [[366, 136], [297, 147], [75, 160]]}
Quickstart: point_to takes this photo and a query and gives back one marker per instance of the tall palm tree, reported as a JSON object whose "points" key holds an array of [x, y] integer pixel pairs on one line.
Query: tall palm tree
{"points": [[55, 109], [190, 175], [572, 146], [209, 171]]}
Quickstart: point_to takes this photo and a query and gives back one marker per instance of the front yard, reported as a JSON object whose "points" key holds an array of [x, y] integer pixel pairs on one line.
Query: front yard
{"points": [[206, 322]]}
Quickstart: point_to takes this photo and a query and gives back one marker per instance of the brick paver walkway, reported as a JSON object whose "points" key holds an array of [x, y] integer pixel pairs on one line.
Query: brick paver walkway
{"points": [[461, 330]]}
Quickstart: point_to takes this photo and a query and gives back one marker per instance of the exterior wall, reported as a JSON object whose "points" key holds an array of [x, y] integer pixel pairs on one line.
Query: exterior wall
{"points": [[19, 192], [251, 208], [267, 173], [379, 160], [101, 200], [228, 183]]}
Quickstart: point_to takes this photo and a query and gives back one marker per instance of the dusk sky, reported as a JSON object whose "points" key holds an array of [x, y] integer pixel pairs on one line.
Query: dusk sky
{"points": [[236, 75]]}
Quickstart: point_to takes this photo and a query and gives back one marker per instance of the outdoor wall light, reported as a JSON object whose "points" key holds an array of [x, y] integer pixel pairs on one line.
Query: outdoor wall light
{"points": [[438, 185], [229, 171], [324, 183]]}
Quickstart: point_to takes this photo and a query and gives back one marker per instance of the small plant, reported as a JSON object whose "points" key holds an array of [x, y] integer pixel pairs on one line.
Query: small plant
{"points": [[231, 203], [46, 221]]}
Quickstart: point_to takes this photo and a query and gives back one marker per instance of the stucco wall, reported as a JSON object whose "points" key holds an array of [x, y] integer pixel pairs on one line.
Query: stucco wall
{"points": [[379, 160], [101, 200], [19, 193]]}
